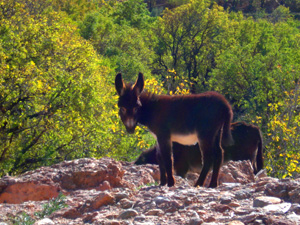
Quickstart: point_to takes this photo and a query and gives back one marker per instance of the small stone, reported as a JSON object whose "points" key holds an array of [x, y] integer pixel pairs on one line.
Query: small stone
{"points": [[296, 208], [265, 200], [119, 196], [241, 212], [126, 203], [295, 195], [278, 208], [210, 220], [144, 223], [234, 204], [243, 194], [258, 222], [155, 212], [261, 174], [231, 185], [278, 220], [112, 222], [45, 221], [188, 201], [236, 222], [71, 213], [105, 185], [104, 198], [191, 213], [140, 218], [128, 214], [160, 200], [195, 221], [222, 208], [89, 217], [225, 200], [294, 217], [201, 212]]}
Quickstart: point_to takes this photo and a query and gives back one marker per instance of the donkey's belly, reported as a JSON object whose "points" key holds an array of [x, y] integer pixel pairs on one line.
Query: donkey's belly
{"points": [[189, 139]]}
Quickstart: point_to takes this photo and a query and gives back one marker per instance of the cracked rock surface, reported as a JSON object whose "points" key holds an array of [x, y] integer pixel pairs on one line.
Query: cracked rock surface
{"points": [[110, 192]]}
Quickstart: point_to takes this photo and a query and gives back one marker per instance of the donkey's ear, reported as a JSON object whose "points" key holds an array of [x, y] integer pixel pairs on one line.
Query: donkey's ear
{"points": [[139, 84], [119, 84]]}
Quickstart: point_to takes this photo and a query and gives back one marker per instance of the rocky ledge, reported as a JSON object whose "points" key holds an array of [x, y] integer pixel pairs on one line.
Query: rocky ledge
{"points": [[109, 192]]}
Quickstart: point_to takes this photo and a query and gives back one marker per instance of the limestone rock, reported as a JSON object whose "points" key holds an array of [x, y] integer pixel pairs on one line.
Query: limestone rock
{"points": [[45, 221], [128, 214], [265, 200], [109, 192]]}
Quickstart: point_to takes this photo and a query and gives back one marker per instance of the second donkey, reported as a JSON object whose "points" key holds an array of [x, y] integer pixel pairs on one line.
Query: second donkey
{"points": [[247, 146]]}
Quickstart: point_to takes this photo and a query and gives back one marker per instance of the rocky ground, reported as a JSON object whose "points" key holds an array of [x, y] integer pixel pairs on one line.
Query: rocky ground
{"points": [[109, 192]]}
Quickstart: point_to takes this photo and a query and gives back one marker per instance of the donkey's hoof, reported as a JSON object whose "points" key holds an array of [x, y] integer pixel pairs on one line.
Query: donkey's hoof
{"points": [[171, 185], [171, 182], [199, 184], [163, 183], [213, 185]]}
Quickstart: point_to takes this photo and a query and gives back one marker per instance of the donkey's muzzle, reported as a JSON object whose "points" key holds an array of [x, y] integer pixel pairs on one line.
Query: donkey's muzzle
{"points": [[130, 125], [130, 130]]}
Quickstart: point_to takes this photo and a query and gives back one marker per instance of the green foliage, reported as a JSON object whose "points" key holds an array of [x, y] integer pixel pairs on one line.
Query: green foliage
{"points": [[51, 89], [76, 9], [120, 33], [23, 218], [132, 13], [282, 142], [53, 205], [48, 208], [248, 72], [188, 40], [58, 60], [280, 14]]}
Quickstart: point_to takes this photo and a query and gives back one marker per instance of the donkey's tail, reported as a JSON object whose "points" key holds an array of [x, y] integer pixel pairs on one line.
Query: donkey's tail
{"points": [[259, 156], [227, 139]]}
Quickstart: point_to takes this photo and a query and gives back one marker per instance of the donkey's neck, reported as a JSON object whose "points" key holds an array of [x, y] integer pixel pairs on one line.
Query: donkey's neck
{"points": [[149, 102], [158, 114]]}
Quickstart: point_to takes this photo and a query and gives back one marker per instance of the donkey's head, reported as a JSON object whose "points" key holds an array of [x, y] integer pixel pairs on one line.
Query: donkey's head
{"points": [[129, 100]]}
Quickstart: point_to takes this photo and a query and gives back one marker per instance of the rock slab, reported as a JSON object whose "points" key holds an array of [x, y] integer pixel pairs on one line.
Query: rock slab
{"points": [[106, 191]]}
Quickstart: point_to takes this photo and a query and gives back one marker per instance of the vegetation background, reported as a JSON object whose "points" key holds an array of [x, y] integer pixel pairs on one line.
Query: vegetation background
{"points": [[58, 60]]}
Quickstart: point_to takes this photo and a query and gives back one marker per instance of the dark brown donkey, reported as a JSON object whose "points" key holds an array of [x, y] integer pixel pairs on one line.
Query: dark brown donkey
{"points": [[247, 146], [203, 118]]}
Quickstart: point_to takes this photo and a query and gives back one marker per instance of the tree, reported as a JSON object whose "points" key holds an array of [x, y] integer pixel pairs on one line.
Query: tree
{"points": [[187, 40], [282, 142], [51, 86], [120, 33], [247, 72]]}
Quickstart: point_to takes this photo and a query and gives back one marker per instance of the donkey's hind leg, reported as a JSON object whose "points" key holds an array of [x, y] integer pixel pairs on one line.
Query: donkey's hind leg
{"points": [[212, 157], [217, 160], [206, 147]]}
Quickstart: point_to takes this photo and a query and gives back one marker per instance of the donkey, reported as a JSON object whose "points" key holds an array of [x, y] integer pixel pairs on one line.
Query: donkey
{"points": [[200, 118], [247, 146]]}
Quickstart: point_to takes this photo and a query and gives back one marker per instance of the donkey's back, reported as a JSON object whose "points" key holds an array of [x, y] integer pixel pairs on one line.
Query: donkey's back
{"points": [[189, 117]]}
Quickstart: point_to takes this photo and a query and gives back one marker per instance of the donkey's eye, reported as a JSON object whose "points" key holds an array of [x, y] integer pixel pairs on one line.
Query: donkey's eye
{"points": [[123, 110], [135, 109]]}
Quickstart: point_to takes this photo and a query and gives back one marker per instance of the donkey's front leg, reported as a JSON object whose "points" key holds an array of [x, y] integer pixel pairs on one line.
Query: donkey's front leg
{"points": [[166, 161], [162, 168]]}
